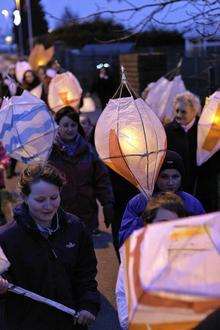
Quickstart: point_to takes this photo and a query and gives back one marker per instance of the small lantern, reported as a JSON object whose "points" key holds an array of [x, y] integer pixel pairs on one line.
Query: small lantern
{"points": [[64, 90], [20, 68], [40, 56], [209, 129], [161, 96], [131, 140], [27, 128]]}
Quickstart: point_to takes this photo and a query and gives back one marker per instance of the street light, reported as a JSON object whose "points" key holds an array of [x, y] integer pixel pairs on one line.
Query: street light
{"points": [[17, 2], [17, 17], [5, 13], [30, 29], [29, 17], [17, 22]]}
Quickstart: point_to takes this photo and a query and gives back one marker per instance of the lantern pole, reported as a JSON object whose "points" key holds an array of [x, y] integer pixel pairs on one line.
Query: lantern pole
{"points": [[30, 27]]}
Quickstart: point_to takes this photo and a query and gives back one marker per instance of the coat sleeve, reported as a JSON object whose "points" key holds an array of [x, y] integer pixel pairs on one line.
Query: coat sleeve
{"points": [[131, 218], [102, 183], [84, 276]]}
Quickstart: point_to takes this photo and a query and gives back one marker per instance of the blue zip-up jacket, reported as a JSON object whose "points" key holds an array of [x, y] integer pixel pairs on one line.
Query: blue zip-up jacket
{"points": [[131, 219]]}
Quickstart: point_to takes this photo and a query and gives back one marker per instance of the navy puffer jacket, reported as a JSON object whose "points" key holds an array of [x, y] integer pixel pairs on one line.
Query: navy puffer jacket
{"points": [[61, 267]]}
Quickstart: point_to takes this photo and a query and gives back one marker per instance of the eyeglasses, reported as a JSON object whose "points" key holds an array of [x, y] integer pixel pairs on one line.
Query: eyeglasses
{"points": [[102, 65]]}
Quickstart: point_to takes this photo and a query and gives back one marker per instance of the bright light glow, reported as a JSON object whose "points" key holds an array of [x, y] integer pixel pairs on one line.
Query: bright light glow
{"points": [[130, 141], [99, 66], [8, 40], [17, 17], [106, 65], [5, 13], [17, 4]]}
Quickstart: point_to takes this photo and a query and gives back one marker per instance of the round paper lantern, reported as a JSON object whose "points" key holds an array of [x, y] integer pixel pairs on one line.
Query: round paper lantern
{"points": [[20, 68], [27, 128], [64, 90], [40, 56], [131, 140], [161, 96]]}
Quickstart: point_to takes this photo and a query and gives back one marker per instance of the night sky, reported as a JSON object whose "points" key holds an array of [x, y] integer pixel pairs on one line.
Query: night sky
{"points": [[83, 8]]}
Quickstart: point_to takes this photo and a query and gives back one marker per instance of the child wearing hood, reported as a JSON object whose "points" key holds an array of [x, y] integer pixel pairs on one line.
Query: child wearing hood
{"points": [[170, 178]]}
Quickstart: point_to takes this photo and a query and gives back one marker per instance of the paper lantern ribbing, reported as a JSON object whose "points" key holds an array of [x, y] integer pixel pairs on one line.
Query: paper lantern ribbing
{"points": [[161, 96], [20, 68], [64, 90], [209, 129], [171, 272], [131, 140], [27, 128], [40, 56]]}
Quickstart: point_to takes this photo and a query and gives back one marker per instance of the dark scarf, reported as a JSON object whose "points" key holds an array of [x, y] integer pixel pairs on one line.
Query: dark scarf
{"points": [[71, 147]]}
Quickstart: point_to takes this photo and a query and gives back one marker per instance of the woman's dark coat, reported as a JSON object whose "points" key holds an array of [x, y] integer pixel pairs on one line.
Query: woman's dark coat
{"points": [[61, 267], [87, 179], [202, 181]]}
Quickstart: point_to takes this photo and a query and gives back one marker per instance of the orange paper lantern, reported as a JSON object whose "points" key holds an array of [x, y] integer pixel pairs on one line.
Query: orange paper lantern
{"points": [[40, 56], [64, 90]]}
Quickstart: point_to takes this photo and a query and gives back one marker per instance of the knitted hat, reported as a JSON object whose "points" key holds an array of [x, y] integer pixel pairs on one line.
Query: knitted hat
{"points": [[173, 161]]}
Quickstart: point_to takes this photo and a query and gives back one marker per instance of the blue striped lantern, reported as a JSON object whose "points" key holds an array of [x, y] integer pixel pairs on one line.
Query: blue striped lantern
{"points": [[27, 128]]}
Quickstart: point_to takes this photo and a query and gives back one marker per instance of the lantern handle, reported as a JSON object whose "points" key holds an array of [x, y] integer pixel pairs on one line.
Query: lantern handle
{"points": [[123, 75]]}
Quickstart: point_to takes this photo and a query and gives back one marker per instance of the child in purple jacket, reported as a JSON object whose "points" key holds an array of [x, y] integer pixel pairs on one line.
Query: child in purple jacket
{"points": [[170, 178]]}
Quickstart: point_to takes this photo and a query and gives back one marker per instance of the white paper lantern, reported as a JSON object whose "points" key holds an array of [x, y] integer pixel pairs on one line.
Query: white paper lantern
{"points": [[20, 68], [172, 273], [161, 96], [27, 128], [64, 90], [131, 140]]}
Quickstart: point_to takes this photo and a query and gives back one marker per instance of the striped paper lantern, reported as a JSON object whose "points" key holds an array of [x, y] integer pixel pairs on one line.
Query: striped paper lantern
{"points": [[27, 128]]}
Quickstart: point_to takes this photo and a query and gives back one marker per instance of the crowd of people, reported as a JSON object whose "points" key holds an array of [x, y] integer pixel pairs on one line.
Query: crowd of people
{"points": [[48, 237]]}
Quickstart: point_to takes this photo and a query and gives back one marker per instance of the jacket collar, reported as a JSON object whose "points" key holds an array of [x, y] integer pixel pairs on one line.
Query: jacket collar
{"points": [[23, 219], [177, 126]]}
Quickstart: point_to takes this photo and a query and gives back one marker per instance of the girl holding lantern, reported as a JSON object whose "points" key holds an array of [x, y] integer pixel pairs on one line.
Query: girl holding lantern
{"points": [[86, 175], [51, 254]]}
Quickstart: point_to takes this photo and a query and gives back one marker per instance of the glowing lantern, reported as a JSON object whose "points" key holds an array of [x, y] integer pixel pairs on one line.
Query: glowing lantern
{"points": [[161, 96], [64, 90], [171, 273], [27, 128], [88, 104], [20, 68], [209, 129], [40, 56], [131, 140]]}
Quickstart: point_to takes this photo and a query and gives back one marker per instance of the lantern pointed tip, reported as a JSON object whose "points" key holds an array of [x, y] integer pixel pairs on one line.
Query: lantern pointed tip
{"points": [[123, 75]]}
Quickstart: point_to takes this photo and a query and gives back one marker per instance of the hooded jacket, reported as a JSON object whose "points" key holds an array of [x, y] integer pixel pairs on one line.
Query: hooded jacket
{"points": [[61, 267], [132, 216], [87, 179]]}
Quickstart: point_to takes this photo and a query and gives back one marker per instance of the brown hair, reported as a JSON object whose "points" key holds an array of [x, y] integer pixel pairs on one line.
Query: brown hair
{"points": [[37, 172], [166, 200], [72, 114]]}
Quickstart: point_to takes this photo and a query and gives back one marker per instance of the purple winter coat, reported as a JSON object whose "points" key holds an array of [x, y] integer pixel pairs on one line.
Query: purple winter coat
{"points": [[131, 219], [87, 179]]}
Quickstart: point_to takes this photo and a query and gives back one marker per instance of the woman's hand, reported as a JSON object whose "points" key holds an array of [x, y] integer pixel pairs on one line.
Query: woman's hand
{"points": [[3, 285], [85, 318]]}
